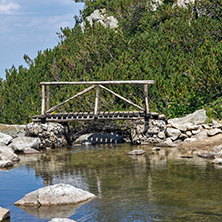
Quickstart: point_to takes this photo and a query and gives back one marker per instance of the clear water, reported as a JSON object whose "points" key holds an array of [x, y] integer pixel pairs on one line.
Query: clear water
{"points": [[160, 186]]}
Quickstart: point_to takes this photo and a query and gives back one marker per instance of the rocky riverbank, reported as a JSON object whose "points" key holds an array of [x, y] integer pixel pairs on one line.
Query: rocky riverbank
{"points": [[190, 130]]}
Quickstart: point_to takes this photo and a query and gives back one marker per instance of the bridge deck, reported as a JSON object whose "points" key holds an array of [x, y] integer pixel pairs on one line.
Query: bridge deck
{"points": [[85, 116]]}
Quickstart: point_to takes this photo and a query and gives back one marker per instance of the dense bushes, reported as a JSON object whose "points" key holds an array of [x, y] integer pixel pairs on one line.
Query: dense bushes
{"points": [[178, 48]]}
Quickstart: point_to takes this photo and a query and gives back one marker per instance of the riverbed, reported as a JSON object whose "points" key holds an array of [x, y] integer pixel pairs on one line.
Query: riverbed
{"points": [[170, 184]]}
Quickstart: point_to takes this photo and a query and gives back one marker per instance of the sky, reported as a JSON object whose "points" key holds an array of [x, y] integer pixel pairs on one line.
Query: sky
{"points": [[28, 26]]}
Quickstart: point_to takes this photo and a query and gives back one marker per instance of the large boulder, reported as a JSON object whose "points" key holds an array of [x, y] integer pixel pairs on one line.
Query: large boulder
{"points": [[13, 130], [4, 214], [198, 117], [21, 143], [59, 194], [8, 153], [4, 138], [5, 162]]}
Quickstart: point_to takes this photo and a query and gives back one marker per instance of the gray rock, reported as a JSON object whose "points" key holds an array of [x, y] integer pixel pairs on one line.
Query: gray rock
{"points": [[59, 194], [209, 155], [13, 130], [20, 143], [182, 136], [4, 138], [167, 143], [194, 132], [30, 151], [205, 126], [190, 140], [218, 154], [62, 220], [173, 133], [214, 132], [51, 134], [8, 153], [198, 117], [217, 149], [182, 128], [201, 135], [162, 135], [4, 214], [136, 152], [217, 161], [183, 3], [191, 126], [99, 16], [5, 162], [156, 149]]}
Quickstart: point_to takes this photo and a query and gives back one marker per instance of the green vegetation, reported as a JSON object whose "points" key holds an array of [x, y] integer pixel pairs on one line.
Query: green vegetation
{"points": [[179, 49]]}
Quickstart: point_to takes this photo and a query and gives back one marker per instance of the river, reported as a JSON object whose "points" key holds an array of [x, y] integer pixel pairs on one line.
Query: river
{"points": [[162, 185]]}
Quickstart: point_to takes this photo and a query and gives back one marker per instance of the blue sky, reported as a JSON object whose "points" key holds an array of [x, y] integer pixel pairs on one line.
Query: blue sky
{"points": [[27, 26]]}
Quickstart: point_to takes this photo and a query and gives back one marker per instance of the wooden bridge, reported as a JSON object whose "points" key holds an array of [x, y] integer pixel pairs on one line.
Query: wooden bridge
{"points": [[48, 116]]}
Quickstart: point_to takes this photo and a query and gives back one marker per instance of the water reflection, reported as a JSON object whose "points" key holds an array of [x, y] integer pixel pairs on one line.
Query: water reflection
{"points": [[158, 186]]}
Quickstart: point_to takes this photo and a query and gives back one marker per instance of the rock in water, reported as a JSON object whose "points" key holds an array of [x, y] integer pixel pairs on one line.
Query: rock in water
{"points": [[4, 214], [61, 220], [136, 152], [59, 194]]}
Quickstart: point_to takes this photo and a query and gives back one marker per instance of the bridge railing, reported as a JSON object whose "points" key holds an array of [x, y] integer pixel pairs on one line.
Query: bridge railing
{"points": [[97, 85]]}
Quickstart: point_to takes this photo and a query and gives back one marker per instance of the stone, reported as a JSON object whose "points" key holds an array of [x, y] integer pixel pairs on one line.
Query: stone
{"points": [[8, 153], [198, 117], [205, 126], [62, 220], [13, 130], [20, 143], [162, 135], [99, 16], [59, 194], [183, 3], [182, 128], [5, 162], [156, 149], [217, 149], [136, 152], [188, 133], [194, 132], [50, 134], [4, 214], [201, 135], [191, 126], [218, 154], [214, 132], [173, 133], [30, 151], [167, 143], [4, 138], [190, 140], [182, 136], [217, 161], [209, 155]]}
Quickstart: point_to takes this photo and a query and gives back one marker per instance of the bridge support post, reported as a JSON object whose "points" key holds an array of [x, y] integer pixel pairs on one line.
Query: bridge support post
{"points": [[96, 101], [43, 100], [146, 99], [47, 97]]}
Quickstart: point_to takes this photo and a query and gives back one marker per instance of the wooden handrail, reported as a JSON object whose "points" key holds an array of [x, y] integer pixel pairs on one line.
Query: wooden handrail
{"points": [[97, 85], [142, 82]]}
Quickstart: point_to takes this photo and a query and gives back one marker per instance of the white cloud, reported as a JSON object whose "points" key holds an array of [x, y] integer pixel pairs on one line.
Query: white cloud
{"points": [[8, 7]]}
